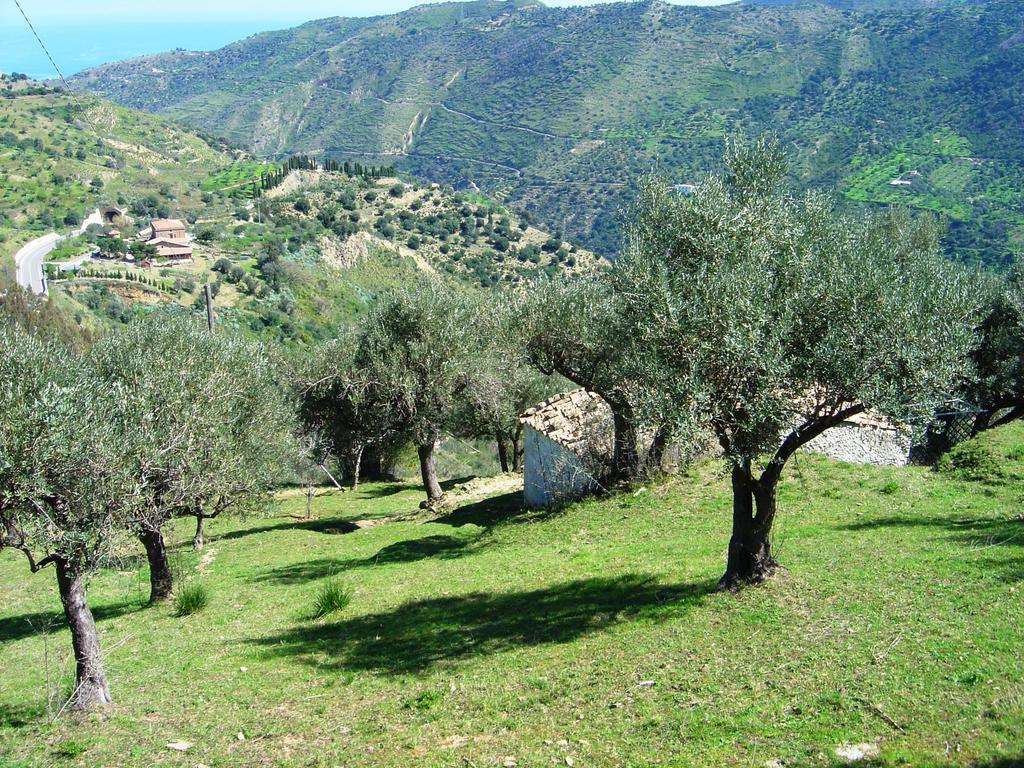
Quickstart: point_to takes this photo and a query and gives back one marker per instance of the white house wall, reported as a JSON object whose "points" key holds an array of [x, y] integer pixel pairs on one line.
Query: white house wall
{"points": [[551, 472]]}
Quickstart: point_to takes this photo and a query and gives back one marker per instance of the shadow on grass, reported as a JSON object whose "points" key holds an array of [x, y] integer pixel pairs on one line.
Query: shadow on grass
{"points": [[29, 624], [329, 525], [492, 511], [381, 490], [440, 547], [978, 534], [997, 762], [20, 715], [417, 635]]}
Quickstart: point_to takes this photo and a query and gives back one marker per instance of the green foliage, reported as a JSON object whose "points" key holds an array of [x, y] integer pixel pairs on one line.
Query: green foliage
{"points": [[71, 749], [332, 597], [191, 598], [973, 460]]}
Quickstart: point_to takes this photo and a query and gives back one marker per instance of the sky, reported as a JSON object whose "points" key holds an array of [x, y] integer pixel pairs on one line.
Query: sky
{"points": [[80, 36]]}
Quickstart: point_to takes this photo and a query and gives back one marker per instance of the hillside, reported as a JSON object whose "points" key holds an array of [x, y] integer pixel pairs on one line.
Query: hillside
{"points": [[557, 110], [592, 637], [60, 158], [313, 253]]}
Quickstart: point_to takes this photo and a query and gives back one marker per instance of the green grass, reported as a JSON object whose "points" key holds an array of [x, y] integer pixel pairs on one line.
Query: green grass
{"points": [[593, 633], [331, 597], [191, 598]]}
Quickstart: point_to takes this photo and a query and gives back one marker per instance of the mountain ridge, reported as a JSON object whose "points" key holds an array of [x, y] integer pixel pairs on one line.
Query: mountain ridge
{"points": [[557, 110]]}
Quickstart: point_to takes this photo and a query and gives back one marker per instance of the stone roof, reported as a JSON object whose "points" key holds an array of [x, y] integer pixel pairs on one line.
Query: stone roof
{"points": [[575, 419], [158, 224]]}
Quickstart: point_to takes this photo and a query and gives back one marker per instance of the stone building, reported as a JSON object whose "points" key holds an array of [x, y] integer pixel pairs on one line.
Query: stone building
{"points": [[567, 442]]}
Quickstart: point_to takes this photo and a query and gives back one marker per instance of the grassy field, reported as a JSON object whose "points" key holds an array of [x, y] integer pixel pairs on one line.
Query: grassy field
{"points": [[590, 637]]}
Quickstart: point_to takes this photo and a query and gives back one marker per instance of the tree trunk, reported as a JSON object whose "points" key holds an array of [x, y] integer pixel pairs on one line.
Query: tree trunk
{"points": [[357, 467], [656, 454], [197, 540], [91, 687], [750, 558], [309, 500], [428, 471], [624, 450], [161, 582], [517, 450], [502, 453]]}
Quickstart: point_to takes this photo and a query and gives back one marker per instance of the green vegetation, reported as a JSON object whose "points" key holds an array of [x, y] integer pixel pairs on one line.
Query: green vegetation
{"points": [[556, 110], [242, 174], [60, 159], [191, 598], [331, 597], [488, 632], [295, 265]]}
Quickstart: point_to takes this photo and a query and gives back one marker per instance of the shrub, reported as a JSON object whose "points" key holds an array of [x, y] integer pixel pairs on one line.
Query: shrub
{"points": [[192, 598], [71, 749], [890, 488], [973, 461], [331, 598]]}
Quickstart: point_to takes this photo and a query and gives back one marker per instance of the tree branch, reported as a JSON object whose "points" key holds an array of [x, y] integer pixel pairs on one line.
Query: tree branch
{"points": [[802, 435]]}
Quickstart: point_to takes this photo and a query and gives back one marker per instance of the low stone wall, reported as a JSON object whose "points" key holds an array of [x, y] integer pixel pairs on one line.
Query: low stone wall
{"points": [[860, 444]]}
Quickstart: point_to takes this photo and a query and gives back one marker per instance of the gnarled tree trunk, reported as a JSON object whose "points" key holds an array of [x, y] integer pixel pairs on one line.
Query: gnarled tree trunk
{"points": [[197, 540], [161, 582], [625, 456], [502, 453], [428, 471], [750, 558], [656, 453], [91, 687]]}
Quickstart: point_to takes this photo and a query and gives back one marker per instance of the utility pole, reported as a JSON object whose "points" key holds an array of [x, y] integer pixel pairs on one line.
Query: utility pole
{"points": [[209, 306]]}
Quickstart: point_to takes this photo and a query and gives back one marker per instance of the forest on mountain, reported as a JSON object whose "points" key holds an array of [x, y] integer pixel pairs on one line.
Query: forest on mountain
{"points": [[558, 110]]}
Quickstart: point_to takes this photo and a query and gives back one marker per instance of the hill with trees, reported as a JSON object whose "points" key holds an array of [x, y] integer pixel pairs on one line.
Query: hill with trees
{"points": [[557, 110], [292, 250]]}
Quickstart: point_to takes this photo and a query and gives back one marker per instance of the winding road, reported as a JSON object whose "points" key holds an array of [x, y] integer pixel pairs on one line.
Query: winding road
{"points": [[28, 262]]}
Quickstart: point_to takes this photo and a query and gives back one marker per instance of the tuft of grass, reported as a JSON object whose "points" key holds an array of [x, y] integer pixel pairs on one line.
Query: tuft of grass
{"points": [[70, 749], [890, 488], [1016, 452], [330, 598], [191, 598]]}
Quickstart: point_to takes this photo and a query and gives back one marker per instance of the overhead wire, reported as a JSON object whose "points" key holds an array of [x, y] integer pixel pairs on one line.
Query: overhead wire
{"points": [[56, 68]]}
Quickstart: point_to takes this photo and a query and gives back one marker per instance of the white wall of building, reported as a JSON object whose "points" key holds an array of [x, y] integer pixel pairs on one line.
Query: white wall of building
{"points": [[551, 472]]}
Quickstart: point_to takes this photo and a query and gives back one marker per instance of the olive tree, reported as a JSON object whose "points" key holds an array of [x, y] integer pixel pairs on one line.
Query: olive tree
{"points": [[340, 412], [998, 388], [414, 350], [769, 318], [581, 328], [204, 421], [65, 490], [502, 383]]}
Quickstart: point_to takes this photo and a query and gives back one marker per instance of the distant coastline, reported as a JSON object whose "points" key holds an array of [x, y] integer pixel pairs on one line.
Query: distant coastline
{"points": [[81, 45]]}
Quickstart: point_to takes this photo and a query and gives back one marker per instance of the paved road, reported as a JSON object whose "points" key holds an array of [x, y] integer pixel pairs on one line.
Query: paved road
{"points": [[28, 262]]}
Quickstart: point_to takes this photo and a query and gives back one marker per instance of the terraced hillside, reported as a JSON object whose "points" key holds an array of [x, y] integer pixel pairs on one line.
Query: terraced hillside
{"points": [[295, 264], [557, 110]]}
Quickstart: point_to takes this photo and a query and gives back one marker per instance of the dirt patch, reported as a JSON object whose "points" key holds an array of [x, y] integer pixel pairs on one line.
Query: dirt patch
{"points": [[351, 252], [586, 146], [293, 181]]}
